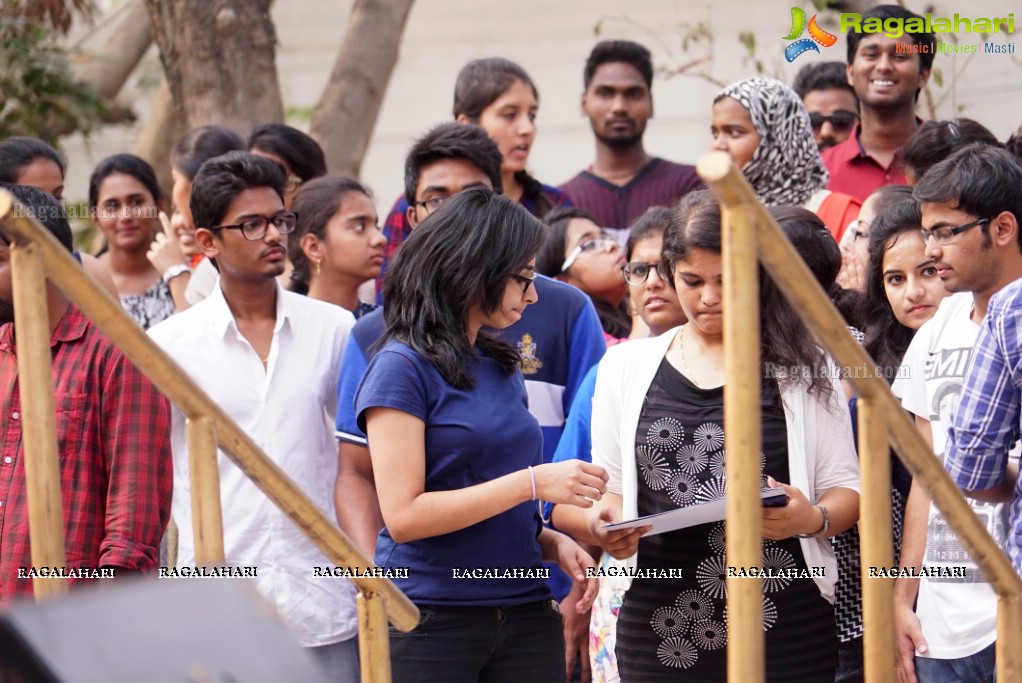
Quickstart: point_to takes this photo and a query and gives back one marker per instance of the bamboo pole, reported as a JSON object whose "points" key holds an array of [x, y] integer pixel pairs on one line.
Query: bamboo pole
{"points": [[800, 287], [373, 638], [204, 473], [39, 428], [1008, 656], [877, 544], [743, 443], [170, 379]]}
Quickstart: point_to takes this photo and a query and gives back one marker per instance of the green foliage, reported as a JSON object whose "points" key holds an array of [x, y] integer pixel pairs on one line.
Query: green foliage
{"points": [[39, 95]]}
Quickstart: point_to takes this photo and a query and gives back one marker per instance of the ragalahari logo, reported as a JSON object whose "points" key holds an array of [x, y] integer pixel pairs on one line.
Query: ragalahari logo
{"points": [[798, 27]]}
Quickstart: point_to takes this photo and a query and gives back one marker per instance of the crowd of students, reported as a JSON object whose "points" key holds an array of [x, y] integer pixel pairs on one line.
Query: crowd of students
{"points": [[539, 362]]}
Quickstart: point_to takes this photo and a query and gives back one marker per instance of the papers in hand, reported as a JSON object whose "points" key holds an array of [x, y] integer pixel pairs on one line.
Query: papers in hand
{"points": [[702, 513]]}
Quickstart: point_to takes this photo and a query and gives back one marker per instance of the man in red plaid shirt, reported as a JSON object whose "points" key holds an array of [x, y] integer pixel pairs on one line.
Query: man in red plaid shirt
{"points": [[113, 432]]}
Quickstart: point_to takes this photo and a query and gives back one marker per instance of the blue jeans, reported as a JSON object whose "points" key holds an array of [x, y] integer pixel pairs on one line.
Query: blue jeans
{"points": [[977, 668], [339, 660], [481, 645]]}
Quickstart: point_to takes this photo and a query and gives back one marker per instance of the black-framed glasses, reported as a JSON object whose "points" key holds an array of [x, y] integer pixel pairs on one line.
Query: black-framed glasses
{"points": [[433, 203], [525, 280], [591, 244], [637, 272], [254, 228], [841, 121], [945, 233]]}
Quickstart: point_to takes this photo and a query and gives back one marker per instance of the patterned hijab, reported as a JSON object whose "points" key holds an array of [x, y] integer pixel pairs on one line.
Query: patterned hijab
{"points": [[786, 168]]}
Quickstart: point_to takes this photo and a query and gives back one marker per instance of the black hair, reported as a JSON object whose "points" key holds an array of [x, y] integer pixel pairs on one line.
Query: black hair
{"points": [[18, 152], [316, 202], [461, 256], [887, 195], [1014, 143], [887, 339], [479, 84], [785, 341], [615, 319], [223, 178], [936, 140], [453, 141], [46, 209], [653, 222], [884, 12], [822, 76], [981, 180], [302, 155], [126, 164], [201, 144], [609, 51]]}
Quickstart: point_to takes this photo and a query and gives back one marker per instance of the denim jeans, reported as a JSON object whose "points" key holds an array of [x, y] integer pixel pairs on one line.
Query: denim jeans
{"points": [[339, 660], [481, 645], [977, 668]]}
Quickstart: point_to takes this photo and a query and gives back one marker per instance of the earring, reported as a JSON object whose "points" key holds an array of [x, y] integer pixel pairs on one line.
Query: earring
{"points": [[318, 266]]}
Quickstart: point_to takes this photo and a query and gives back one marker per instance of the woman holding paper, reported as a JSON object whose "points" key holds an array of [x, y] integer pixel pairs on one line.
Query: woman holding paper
{"points": [[658, 431]]}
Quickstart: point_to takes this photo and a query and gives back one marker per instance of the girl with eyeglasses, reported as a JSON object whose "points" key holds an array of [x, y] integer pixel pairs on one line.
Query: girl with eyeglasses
{"points": [[579, 252], [457, 457], [855, 242]]}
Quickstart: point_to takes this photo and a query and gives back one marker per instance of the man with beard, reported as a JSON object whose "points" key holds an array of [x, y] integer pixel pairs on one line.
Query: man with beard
{"points": [[624, 180], [887, 75]]}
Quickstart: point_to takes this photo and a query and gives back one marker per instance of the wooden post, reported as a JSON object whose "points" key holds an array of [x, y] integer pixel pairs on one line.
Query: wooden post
{"points": [[876, 543], [39, 429], [373, 638], [204, 473], [743, 442], [1009, 625]]}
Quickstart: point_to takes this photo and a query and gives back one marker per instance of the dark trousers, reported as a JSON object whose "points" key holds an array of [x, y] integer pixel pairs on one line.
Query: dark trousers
{"points": [[481, 645]]}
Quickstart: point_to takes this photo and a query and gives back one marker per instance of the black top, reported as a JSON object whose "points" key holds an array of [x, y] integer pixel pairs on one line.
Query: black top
{"points": [[672, 629]]}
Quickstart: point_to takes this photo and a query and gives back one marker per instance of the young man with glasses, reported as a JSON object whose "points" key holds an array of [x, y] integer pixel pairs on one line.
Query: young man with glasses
{"points": [[270, 358], [887, 77], [831, 102], [970, 218]]}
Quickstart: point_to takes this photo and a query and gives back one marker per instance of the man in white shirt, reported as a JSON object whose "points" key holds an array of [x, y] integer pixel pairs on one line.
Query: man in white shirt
{"points": [[270, 359]]}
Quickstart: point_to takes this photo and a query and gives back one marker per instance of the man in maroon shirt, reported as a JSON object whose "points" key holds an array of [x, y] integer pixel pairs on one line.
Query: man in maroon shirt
{"points": [[887, 75], [624, 180], [113, 433]]}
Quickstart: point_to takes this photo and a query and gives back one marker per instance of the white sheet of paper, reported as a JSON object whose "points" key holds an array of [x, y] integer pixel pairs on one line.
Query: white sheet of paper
{"points": [[682, 518]]}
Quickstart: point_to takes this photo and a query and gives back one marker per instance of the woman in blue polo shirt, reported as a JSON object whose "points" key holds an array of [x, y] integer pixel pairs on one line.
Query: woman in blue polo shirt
{"points": [[458, 458]]}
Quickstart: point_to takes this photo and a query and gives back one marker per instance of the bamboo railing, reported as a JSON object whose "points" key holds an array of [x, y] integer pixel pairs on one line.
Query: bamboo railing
{"points": [[36, 257], [751, 236]]}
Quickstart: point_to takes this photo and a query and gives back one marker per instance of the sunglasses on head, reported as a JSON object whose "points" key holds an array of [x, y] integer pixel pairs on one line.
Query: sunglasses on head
{"points": [[841, 120]]}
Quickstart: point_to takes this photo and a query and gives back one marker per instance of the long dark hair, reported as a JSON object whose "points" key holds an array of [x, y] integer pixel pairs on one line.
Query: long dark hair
{"points": [[479, 84], [460, 256], [886, 338], [316, 202], [125, 164], [785, 341], [303, 155]]}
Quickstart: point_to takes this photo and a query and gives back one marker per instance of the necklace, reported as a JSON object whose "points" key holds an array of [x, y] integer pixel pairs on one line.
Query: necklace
{"points": [[684, 365]]}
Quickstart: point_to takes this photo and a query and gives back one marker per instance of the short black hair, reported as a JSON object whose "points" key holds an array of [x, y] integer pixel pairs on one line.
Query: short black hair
{"points": [[223, 178], [883, 12], [482, 81], [552, 254], [18, 152], [935, 141], [653, 222], [822, 76], [609, 51], [453, 141], [201, 144], [981, 180], [1014, 143], [127, 164], [43, 207], [303, 155]]}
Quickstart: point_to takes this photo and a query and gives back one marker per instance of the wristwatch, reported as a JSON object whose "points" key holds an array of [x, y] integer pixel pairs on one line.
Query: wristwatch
{"points": [[175, 270], [826, 524]]}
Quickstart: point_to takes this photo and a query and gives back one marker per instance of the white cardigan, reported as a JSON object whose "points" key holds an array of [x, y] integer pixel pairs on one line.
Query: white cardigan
{"points": [[821, 451]]}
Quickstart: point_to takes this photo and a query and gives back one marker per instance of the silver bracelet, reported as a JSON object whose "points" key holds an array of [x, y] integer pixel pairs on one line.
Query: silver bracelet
{"points": [[826, 524], [175, 270]]}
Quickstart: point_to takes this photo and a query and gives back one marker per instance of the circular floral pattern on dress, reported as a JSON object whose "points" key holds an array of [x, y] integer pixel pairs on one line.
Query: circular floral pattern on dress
{"points": [[665, 433], [677, 653], [709, 437], [716, 538], [668, 621], [709, 635], [691, 459], [656, 472], [769, 614], [682, 488], [711, 490], [777, 560], [711, 577], [717, 463], [694, 606]]}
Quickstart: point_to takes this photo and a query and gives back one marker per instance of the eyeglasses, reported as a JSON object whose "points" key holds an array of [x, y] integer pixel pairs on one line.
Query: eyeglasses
{"points": [[637, 272], [946, 233], [856, 233], [841, 121], [292, 184], [525, 280], [586, 245], [433, 203], [254, 228]]}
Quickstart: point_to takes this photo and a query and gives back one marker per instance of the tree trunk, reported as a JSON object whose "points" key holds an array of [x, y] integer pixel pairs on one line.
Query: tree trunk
{"points": [[161, 130], [219, 57], [110, 53], [345, 116]]}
